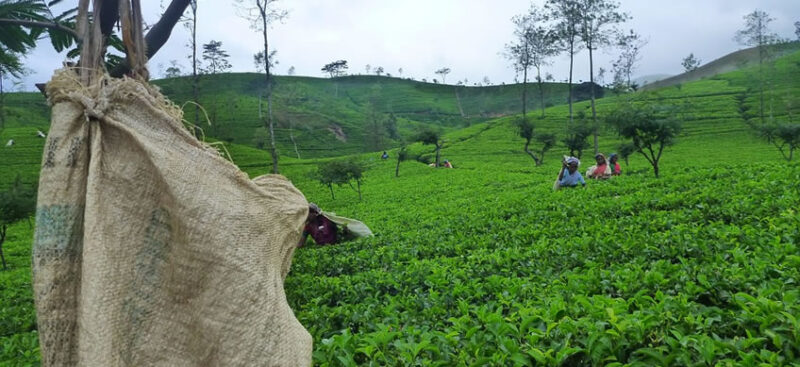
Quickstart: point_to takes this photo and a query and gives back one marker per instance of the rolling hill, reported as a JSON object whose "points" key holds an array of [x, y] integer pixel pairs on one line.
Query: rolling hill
{"points": [[730, 62], [486, 265]]}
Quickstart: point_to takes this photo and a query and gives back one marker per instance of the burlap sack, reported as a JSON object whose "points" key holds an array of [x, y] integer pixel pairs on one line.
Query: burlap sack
{"points": [[149, 248]]}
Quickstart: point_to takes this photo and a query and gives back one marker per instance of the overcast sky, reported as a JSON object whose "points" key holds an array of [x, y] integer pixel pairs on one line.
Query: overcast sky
{"points": [[421, 36]]}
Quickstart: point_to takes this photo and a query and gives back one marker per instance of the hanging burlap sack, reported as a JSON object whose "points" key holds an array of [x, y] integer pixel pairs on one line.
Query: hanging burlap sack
{"points": [[149, 248]]}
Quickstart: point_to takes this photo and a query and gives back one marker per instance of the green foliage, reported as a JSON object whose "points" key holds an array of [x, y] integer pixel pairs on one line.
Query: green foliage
{"points": [[431, 137], [402, 155], [784, 136], [690, 269], [583, 91], [576, 135], [340, 173], [215, 57], [525, 128], [625, 151], [16, 203], [336, 68], [16, 40], [650, 128], [486, 265], [546, 142], [690, 63]]}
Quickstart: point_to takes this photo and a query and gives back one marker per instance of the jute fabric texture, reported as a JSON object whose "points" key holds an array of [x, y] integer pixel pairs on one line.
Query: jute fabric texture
{"points": [[152, 250]]}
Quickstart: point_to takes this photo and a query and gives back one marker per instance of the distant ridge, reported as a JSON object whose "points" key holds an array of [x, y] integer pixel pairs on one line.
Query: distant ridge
{"points": [[730, 62]]}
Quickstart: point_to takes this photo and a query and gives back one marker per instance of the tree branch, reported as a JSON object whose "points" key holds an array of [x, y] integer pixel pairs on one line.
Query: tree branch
{"points": [[158, 34], [109, 15], [33, 23]]}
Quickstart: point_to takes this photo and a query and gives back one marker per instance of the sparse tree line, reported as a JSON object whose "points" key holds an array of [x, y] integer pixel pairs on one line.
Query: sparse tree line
{"points": [[559, 27], [570, 26]]}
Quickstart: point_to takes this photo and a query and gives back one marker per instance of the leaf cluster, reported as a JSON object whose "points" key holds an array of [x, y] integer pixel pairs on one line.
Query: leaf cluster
{"points": [[783, 135], [16, 203], [340, 172], [336, 68], [646, 125], [23, 24]]}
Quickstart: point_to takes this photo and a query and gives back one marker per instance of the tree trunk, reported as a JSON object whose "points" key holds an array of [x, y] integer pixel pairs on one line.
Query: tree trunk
{"points": [[397, 168], [569, 86], [3, 229], [156, 36], [541, 88], [195, 77], [2, 103], [358, 185], [524, 90], [438, 148], [536, 160], [331, 188], [655, 168], [761, 92], [594, 110], [291, 137], [262, 7], [273, 149]]}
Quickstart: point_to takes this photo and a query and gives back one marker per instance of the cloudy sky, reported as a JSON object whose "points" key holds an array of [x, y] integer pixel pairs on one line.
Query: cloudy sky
{"points": [[421, 36]]}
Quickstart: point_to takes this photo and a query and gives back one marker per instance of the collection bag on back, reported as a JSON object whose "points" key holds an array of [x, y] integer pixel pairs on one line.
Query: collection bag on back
{"points": [[149, 248]]}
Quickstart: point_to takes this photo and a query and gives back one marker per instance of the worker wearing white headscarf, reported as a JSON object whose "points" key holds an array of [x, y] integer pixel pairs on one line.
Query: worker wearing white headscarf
{"points": [[569, 175]]}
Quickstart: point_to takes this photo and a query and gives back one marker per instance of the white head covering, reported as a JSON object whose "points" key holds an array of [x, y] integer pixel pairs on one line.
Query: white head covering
{"points": [[572, 160]]}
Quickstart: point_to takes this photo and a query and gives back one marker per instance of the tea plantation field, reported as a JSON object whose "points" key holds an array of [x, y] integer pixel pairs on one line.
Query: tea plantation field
{"points": [[484, 265]]}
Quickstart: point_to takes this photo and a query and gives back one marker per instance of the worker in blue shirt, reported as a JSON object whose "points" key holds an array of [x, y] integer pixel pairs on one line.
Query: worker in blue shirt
{"points": [[569, 175]]}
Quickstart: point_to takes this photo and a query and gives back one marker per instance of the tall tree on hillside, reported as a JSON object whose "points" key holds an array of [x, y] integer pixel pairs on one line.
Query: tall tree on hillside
{"points": [[443, 72], [190, 23], [379, 70], [567, 14], [291, 95], [431, 137], [374, 131], [630, 45], [262, 14], [216, 61], [756, 33], [336, 68], [797, 29], [174, 70], [598, 19], [215, 57], [690, 63], [259, 60], [544, 44], [534, 43]]}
